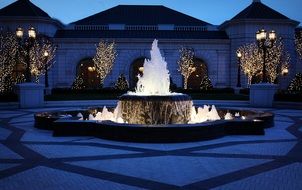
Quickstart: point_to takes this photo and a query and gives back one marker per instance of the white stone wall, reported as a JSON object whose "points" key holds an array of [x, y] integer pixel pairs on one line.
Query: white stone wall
{"points": [[68, 56], [215, 54]]}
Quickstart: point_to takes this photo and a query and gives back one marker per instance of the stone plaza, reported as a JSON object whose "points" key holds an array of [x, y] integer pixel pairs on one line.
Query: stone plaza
{"points": [[34, 159], [233, 141]]}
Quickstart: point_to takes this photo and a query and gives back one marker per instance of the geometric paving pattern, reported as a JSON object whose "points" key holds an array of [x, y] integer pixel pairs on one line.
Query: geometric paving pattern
{"points": [[275, 148], [181, 170], [32, 159]]}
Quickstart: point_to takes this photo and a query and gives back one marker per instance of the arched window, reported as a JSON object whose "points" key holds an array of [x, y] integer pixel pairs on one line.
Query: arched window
{"points": [[86, 70], [137, 68], [196, 77]]}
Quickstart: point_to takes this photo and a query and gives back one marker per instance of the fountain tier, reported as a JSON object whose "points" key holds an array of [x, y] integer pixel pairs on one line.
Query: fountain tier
{"points": [[155, 110]]}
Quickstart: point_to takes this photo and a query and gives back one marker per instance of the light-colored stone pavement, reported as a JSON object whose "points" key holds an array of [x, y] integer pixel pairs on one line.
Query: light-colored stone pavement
{"points": [[33, 159]]}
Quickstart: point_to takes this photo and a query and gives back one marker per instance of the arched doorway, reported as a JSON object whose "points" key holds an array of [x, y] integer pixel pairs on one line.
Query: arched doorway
{"points": [[196, 77], [137, 68], [86, 70]]}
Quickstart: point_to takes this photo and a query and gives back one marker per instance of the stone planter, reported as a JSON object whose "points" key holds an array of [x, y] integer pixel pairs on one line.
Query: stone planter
{"points": [[262, 94], [31, 95]]}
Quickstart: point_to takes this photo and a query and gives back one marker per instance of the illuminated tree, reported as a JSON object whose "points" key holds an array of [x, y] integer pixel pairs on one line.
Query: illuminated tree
{"points": [[13, 59], [250, 60], [104, 59], [186, 64], [37, 58], [121, 83], [295, 85], [8, 59], [298, 42], [277, 61]]}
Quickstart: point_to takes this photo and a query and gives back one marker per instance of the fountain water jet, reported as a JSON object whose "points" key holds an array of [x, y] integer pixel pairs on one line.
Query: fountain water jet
{"points": [[156, 78]]}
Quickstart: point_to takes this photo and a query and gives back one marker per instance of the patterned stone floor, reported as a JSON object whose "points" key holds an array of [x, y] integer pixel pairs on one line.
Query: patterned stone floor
{"points": [[33, 159]]}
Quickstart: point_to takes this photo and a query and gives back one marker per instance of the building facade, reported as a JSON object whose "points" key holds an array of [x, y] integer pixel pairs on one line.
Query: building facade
{"points": [[133, 28]]}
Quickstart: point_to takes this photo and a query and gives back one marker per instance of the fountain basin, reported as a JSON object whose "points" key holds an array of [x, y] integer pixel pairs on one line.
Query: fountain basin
{"points": [[155, 110], [67, 124]]}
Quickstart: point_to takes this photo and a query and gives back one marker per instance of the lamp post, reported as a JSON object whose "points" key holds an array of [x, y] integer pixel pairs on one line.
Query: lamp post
{"points": [[239, 55], [27, 43], [46, 55], [261, 37]]}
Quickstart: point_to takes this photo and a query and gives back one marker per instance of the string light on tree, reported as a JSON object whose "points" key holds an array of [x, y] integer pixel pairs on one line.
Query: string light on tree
{"points": [[295, 86], [78, 83], [8, 61], [186, 64], [277, 61], [122, 83], [39, 63], [206, 83], [250, 60], [104, 59], [298, 42]]}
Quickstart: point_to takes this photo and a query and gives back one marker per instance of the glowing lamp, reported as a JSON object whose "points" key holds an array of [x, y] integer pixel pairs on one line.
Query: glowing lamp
{"points": [[284, 71], [258, 35], [239, 55], [262, 34], [32, 32], [272, 35], [19, 32]]}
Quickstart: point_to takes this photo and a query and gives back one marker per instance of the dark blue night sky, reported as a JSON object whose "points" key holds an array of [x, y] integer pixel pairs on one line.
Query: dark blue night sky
{"points": [[212, 11]]}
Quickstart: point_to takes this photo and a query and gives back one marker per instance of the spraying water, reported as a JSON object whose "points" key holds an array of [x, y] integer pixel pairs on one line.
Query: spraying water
{"points": [[156, 78]]}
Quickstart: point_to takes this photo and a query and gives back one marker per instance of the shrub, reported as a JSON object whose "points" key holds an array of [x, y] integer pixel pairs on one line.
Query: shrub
{"points": [[295, 86], [122, 83], [206, 83]]}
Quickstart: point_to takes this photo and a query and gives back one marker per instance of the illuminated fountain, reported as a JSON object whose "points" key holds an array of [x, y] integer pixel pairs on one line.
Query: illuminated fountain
{"points": [[154, 114], [152, 103]]}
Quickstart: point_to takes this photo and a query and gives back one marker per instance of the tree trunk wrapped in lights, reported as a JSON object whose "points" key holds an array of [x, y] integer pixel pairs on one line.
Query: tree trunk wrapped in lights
{"points": [[298, 42], [186, 64], [250, 60], [104, 59], [8, 59], [277, 61], [37, 58]]}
